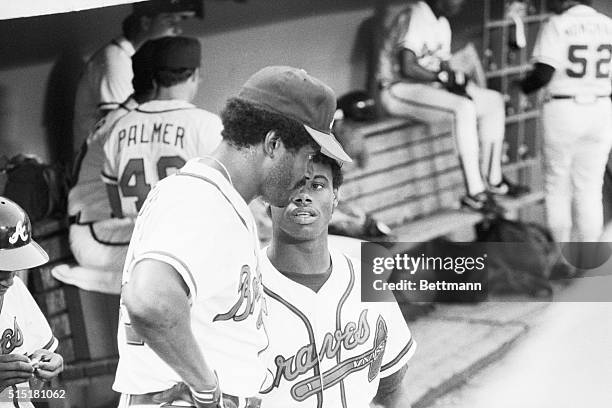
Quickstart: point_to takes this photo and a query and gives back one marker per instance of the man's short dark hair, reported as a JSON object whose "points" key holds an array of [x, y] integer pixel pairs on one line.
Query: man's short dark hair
{"points": [[131, 26], [337, 176], [171, 77], [245, 124]]}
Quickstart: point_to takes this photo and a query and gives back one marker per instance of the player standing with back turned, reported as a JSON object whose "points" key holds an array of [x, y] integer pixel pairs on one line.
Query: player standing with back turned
{"points": [[572, 59]]}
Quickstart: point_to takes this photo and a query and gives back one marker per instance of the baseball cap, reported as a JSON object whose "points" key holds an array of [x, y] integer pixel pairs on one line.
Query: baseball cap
{"points": [[154, 7], [177, 53], [293, 93], [17, 248]]}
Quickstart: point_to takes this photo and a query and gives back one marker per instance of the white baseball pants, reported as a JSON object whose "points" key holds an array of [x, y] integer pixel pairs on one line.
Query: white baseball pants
{"points": [[577, 140], [479, 124], [102, 246]]}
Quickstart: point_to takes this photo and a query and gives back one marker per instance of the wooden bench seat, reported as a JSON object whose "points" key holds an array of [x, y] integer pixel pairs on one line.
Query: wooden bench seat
{"points": [[413, 182]]}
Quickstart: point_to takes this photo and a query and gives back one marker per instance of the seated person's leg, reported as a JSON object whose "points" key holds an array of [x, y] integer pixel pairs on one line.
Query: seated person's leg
{"points": [[431, 104], [103, 244], [490, 109], [491, 126]]}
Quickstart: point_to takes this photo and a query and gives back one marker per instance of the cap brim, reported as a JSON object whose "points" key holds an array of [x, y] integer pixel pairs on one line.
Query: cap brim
{"points": [[25, 257], [329, 145]]}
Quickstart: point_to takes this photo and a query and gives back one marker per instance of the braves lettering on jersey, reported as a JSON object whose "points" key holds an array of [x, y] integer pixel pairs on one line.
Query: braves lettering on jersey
{"points": [[329, 349], [105, 83], [578, 44], [23, 328], [198, 223], [152, 142], [87, 199], [418, 29]]}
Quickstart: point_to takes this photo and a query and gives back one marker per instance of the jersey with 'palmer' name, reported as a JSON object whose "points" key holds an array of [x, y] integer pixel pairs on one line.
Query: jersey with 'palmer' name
{"points": [[328, 348], [87, 200], [152, 142], [578, 44], [197, 222]]}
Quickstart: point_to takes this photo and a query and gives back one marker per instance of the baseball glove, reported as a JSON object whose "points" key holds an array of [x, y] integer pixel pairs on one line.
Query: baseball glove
{"points": [[454, 82]]}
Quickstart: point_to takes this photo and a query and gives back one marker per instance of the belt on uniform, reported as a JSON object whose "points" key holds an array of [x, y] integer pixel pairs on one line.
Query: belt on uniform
{"points": [[149, 399]]}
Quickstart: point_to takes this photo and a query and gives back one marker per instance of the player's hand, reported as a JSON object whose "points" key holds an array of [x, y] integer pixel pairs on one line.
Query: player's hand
{"points": [[454, 82], [47, 364], [14, 369]]}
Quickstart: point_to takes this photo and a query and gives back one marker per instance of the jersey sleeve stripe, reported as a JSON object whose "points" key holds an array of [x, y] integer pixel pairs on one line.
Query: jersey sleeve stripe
{"points": [[108, 105], [108, 179], [404, 355], [51, 344], [176, 263]]}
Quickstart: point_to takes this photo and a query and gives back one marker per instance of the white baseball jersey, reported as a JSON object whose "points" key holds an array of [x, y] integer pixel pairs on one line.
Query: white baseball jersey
{"points": [[578, 44], [87, 199], [198, 223], [105, 83], [417, 29], [24, 329], [577, 130], [152, 142], [329, 349]]}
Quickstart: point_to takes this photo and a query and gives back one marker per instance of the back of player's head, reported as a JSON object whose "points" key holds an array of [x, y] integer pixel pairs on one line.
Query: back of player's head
{"points": [[559, 6], [297, 106], [17, 249], [175, 59], [142, 66]]}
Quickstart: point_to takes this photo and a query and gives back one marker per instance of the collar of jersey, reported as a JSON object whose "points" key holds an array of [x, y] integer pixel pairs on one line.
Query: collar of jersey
{"points": [[580, 9], [198, 168], [275, 278], [157, 106]]}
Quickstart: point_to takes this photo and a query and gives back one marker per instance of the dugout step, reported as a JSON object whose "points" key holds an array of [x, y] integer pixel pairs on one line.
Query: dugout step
{"points": [[433, 226], [516, 203]]}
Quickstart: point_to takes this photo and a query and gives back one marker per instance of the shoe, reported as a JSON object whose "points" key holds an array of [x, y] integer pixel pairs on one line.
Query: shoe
{"points": [[508, 188], [482, 202]]}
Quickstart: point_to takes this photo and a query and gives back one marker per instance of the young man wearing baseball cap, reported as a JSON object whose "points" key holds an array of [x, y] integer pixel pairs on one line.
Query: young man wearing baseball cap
{"points": [[106, 79], [192, 323], [28, 345]]}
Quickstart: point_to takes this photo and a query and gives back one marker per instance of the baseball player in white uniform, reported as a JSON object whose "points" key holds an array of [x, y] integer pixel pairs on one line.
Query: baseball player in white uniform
{"points": [[327, 347], [98, 241], [416, 81], [27, 344], [106, 80], [572, 58], [192, 323], [159, 136]]}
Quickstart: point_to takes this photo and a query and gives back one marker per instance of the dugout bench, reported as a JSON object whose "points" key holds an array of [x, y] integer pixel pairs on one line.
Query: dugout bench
{"points": [[413, 182]]}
